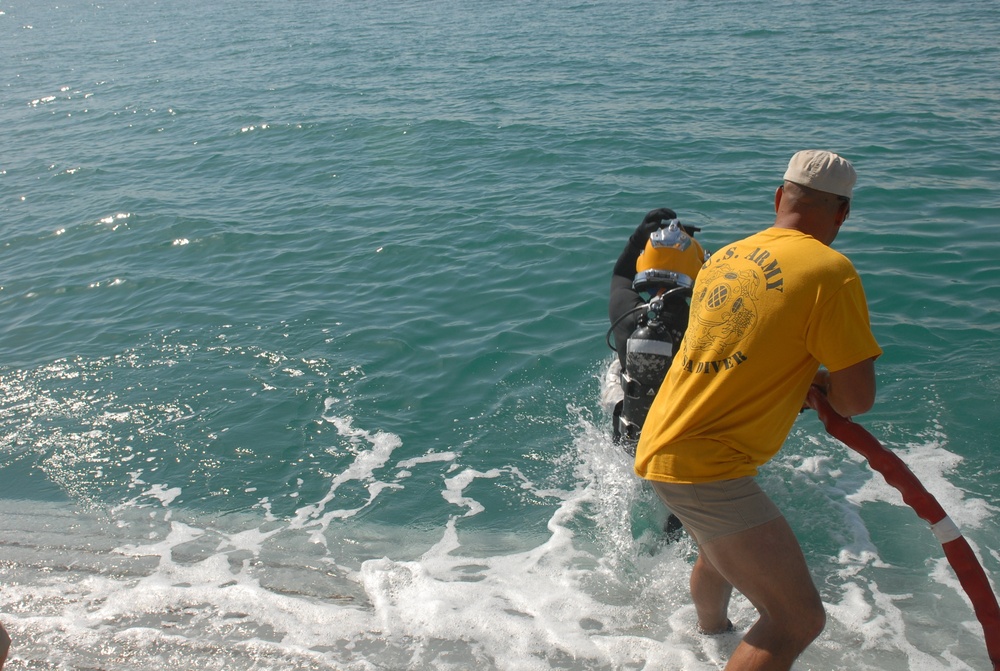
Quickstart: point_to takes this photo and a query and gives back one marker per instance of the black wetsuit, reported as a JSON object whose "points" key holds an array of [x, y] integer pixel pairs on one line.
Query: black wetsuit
{"points": [[624, 298]]}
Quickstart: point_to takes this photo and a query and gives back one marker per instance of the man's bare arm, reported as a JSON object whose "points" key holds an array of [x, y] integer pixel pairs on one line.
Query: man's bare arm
{"points": [[851, 391]]}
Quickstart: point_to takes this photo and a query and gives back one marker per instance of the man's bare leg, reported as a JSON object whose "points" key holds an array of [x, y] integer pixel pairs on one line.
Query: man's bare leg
{"points": [[4, 645], [766, 564], [710, 593]]}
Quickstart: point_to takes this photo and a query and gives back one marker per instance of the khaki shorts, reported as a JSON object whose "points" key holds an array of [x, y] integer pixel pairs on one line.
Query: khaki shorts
{"points": [[710, 510]]}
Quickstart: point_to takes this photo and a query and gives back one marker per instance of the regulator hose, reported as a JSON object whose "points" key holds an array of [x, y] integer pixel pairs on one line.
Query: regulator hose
{"points": [[639, 308], [958, 551], [611, 331]]}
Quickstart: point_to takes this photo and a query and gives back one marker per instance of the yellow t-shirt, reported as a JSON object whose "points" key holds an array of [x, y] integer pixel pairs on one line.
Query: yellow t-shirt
{"points": [[766, 312]]}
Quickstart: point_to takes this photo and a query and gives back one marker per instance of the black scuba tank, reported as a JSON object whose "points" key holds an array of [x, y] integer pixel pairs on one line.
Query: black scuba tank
{"points": [[648, 354]]}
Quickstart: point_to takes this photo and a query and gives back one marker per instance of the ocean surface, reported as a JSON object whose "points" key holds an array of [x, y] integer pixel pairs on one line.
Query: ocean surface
{"points": [[303, 311]]}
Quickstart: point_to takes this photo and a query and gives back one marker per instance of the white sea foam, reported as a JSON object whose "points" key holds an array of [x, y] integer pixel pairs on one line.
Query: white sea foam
{"points": [[155, 584], [367, 461]]}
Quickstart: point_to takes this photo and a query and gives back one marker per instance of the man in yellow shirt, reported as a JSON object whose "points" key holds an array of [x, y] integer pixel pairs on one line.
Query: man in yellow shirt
{"points": [[766, 313]]}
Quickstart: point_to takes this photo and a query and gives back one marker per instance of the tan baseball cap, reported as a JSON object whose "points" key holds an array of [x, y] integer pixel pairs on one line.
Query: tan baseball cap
{"points": [[823, 171]]}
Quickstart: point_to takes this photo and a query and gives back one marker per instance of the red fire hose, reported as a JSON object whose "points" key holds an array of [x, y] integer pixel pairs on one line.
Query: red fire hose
{"points": [[960, 555]]}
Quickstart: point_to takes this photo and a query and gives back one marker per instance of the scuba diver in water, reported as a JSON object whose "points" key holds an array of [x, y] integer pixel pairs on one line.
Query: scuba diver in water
{"points": [[648, 308]]}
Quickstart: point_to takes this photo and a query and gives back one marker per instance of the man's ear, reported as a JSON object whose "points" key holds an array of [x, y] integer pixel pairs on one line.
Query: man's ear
{"points": [[777, 197], [845, 208]]}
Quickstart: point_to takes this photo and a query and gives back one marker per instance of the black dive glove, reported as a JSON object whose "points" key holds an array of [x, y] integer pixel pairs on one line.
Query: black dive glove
{"points": [[625, 266], [652, 221]]}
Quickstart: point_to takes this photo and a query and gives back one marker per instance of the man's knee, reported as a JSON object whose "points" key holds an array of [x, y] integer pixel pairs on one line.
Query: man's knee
{"points": [[810, 624], [787, 637], [800, 620]]}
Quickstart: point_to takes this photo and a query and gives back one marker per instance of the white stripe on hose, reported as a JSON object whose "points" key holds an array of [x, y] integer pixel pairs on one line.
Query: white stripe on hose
{"points": [[946, 531]]}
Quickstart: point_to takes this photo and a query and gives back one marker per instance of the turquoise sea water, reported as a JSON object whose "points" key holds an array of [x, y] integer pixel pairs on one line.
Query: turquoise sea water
{"points": [[303, 313]]}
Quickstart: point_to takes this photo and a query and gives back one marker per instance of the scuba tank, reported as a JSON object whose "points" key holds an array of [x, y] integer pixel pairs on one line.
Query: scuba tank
{"points": [[665, 271], [648, 354]]}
